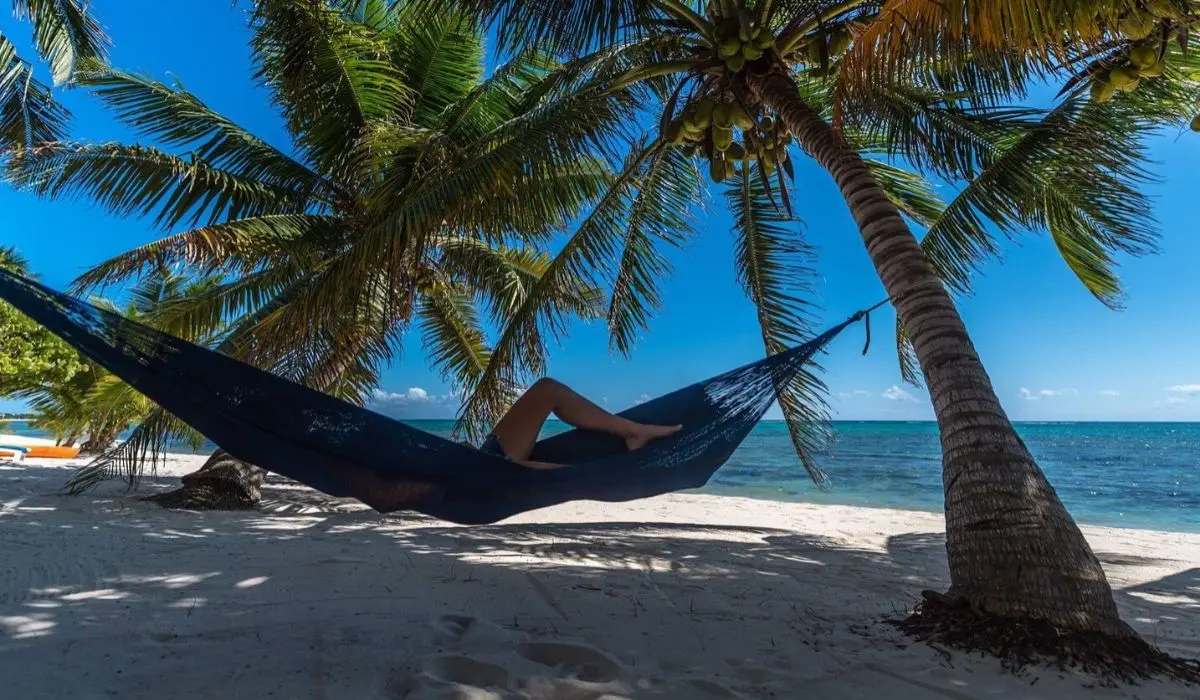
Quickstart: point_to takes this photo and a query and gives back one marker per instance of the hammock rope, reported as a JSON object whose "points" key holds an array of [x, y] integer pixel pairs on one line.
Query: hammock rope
{"points": [[312, 437]]}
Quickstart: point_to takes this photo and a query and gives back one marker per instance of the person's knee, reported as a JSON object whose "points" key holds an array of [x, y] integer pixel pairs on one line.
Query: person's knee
{"points": [[547, 385]]}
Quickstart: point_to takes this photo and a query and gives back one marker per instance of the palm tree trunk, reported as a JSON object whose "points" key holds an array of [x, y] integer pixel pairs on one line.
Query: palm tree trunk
{"points": [[223, 483], [1013, 549]]}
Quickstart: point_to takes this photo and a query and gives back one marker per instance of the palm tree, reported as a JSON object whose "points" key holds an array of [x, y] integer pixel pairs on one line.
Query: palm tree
{"points": [[66, 34], [824, 74], [94, 405], [418, 195]]}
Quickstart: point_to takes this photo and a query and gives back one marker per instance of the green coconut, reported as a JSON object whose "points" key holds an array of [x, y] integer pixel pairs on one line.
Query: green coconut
{"points": [[674, 133], [1196, 123], [1153, 71], [839, 41], [722, 138], [735, 151], [1129, 87], [716, 169], [751, 52], [1143, 55], [735, 64], [729, 47], [767, 123], [814, 51], [1102, 91], [1122, 76], [765, 40], [742, 118], [722, 115], [1136, 25], [1162, 8]]}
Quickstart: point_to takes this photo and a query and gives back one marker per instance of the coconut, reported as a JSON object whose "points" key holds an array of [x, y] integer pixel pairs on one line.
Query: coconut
{"points": [[716, 169], [839, 41], [742, 118], [767, 123], [1143, 55], [735, 151], [722, 115], [1129, 87], [722, 138], [751, 52], [1196, 123], [765, 41], [1137, 26], [814, 51], [1153, 71], [1162, 8], [734, 64], [729, 47], [674, 133], [1102, 92], [1122, 76]]}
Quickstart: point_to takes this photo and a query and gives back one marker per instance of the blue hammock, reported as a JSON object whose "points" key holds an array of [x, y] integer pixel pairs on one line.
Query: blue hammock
{"points": [[309, 436]]}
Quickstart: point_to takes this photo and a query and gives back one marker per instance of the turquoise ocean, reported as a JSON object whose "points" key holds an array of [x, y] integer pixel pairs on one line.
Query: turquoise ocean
{"points": [[1140, 475]]}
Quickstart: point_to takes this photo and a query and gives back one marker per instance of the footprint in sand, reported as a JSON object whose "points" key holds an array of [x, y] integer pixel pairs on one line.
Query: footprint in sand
{"points": [[466, 631], [466, 671], [586, 663]]}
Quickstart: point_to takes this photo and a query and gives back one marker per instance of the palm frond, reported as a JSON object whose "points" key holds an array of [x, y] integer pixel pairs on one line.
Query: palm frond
{"points": [[658, 212], [239, 246], [65, 32], [454, 341], [1076, 174], [332, 78], [441, 58], [143, 181], [568, 26], [773, 264], [174, 117], [28, 112]]}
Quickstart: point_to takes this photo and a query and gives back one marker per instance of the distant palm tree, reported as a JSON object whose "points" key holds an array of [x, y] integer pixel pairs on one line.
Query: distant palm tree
{"points": [[66, 35], [925, 84], [95, 406], [418, 193]]}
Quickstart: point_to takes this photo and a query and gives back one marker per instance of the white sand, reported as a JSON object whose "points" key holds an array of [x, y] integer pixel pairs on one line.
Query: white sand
{"points": [[690, 597]]}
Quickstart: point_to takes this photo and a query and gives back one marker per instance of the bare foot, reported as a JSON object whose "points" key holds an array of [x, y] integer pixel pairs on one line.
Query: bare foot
{"points": [[646, 433]]}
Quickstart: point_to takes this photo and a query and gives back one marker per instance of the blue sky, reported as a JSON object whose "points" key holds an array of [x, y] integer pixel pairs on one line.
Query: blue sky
{"points": [[1053, 352]]}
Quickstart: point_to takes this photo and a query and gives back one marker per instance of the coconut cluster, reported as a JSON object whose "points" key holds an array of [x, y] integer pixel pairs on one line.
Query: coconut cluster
{"points": [[720, 127]]}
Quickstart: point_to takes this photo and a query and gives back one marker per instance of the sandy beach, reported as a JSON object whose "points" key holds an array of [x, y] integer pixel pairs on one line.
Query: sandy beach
{"points": [[685, 596]]}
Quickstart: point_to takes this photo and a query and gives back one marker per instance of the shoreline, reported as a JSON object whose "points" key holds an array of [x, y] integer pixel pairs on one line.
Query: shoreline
{"points": [[688, 596], [181, 460]]}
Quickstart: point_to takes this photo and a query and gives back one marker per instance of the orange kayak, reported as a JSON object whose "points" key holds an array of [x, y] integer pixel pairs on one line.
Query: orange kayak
{"points": [[52, 452]]}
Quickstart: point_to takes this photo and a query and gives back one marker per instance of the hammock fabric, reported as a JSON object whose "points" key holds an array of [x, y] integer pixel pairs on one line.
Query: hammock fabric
{"points": [[312, 437]]}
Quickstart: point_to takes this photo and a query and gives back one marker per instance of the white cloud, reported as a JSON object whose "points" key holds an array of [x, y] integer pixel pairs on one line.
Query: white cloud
{"points": [[1110, 392], [897, 394], [856, 392], [415, 394], [641, 399], [1186, 388], [1044, 393]]}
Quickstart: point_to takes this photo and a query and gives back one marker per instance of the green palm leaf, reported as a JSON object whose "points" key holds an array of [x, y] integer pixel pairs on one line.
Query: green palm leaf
{"points": [[176, 118], [332, 78], [657, 213], [65, 33], [28, 113], [442, 60], [773, 264], [143, 181]]}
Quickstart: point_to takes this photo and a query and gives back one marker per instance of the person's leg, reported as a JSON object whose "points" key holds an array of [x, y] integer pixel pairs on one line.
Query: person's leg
{"points": [[518, 430]]}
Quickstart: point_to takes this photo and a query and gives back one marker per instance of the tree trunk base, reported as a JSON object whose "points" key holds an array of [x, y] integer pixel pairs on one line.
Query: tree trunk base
{"points": [[946, 622], [209, 495], [223, 483]]}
